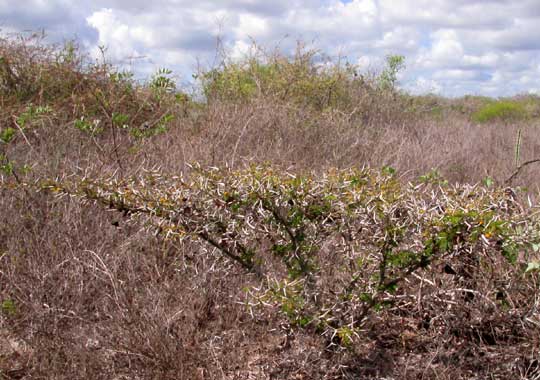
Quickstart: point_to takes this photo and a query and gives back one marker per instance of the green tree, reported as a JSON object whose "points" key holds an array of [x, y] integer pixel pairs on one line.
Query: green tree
{"points": [[388, 78]]}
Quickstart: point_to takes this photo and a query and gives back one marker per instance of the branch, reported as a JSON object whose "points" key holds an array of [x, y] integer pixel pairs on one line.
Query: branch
{"points": [[519, 169], [285, 224], [121, 206], [223, 248], [21, 130]]}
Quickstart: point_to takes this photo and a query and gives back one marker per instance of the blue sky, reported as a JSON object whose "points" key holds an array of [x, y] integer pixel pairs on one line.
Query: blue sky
{"points": [[488, 47]]}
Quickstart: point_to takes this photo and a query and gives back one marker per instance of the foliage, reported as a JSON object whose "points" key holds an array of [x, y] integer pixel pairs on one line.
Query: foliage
{"points": [[8, 307], [306, 79], [503, 110], [298, 80], [336, 269], [91, 127], [162, 84], [6, 166], [433, 176], [37, 81], [32, 115], [387, 80], [7, 135]]}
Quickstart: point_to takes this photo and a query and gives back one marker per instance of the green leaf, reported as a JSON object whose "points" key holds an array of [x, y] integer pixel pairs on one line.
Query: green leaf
{"points": [[7, 168], [8, 307], [510, 252], [392, 288], [7, 135], [366, 297], [488, 181], [119, 119], [281, 249], [388, 170], [443, 242]]}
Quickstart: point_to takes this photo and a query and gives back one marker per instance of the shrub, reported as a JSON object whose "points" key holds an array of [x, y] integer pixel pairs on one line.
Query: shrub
{"points": [[307, 79], [299, 263], [503, 110], [332, 250], [387, 80], [37, 78]]}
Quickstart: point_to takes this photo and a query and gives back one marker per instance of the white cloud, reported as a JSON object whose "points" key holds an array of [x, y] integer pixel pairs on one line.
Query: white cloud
{"points": [[117, 36], [240, 50], [468, 14], [446, 47], [424, 86], [454, 75], [399, 38], [369, 63], [251, 26]]}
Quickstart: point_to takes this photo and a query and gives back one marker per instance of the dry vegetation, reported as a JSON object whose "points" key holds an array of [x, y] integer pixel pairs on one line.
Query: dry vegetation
{"points": [[303, 222]]}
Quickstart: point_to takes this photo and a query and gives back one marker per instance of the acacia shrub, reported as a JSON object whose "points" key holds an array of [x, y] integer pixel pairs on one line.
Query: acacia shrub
{"points": [[333, 252]]}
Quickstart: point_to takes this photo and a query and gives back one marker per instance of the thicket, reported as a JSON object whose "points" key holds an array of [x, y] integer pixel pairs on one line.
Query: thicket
{"points": [[149, 233], [41, 82]]}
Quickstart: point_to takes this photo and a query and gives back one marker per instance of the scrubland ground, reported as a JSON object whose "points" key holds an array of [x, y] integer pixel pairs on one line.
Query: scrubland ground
{"points": [[325, 225]]}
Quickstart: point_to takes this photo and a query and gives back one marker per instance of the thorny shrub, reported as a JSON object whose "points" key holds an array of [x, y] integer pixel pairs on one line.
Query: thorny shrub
{"points": [[332, 250]]}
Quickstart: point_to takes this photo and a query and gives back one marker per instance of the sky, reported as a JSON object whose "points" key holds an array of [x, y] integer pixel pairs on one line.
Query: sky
{"points": [[451, 47]]}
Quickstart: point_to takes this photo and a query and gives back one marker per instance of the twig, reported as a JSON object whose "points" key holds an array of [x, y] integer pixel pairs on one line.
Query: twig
{"points": [[227, 252], [120, 206], [285, 224], [20, 130], [240, 138], [519, 169], [113, 129]]}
